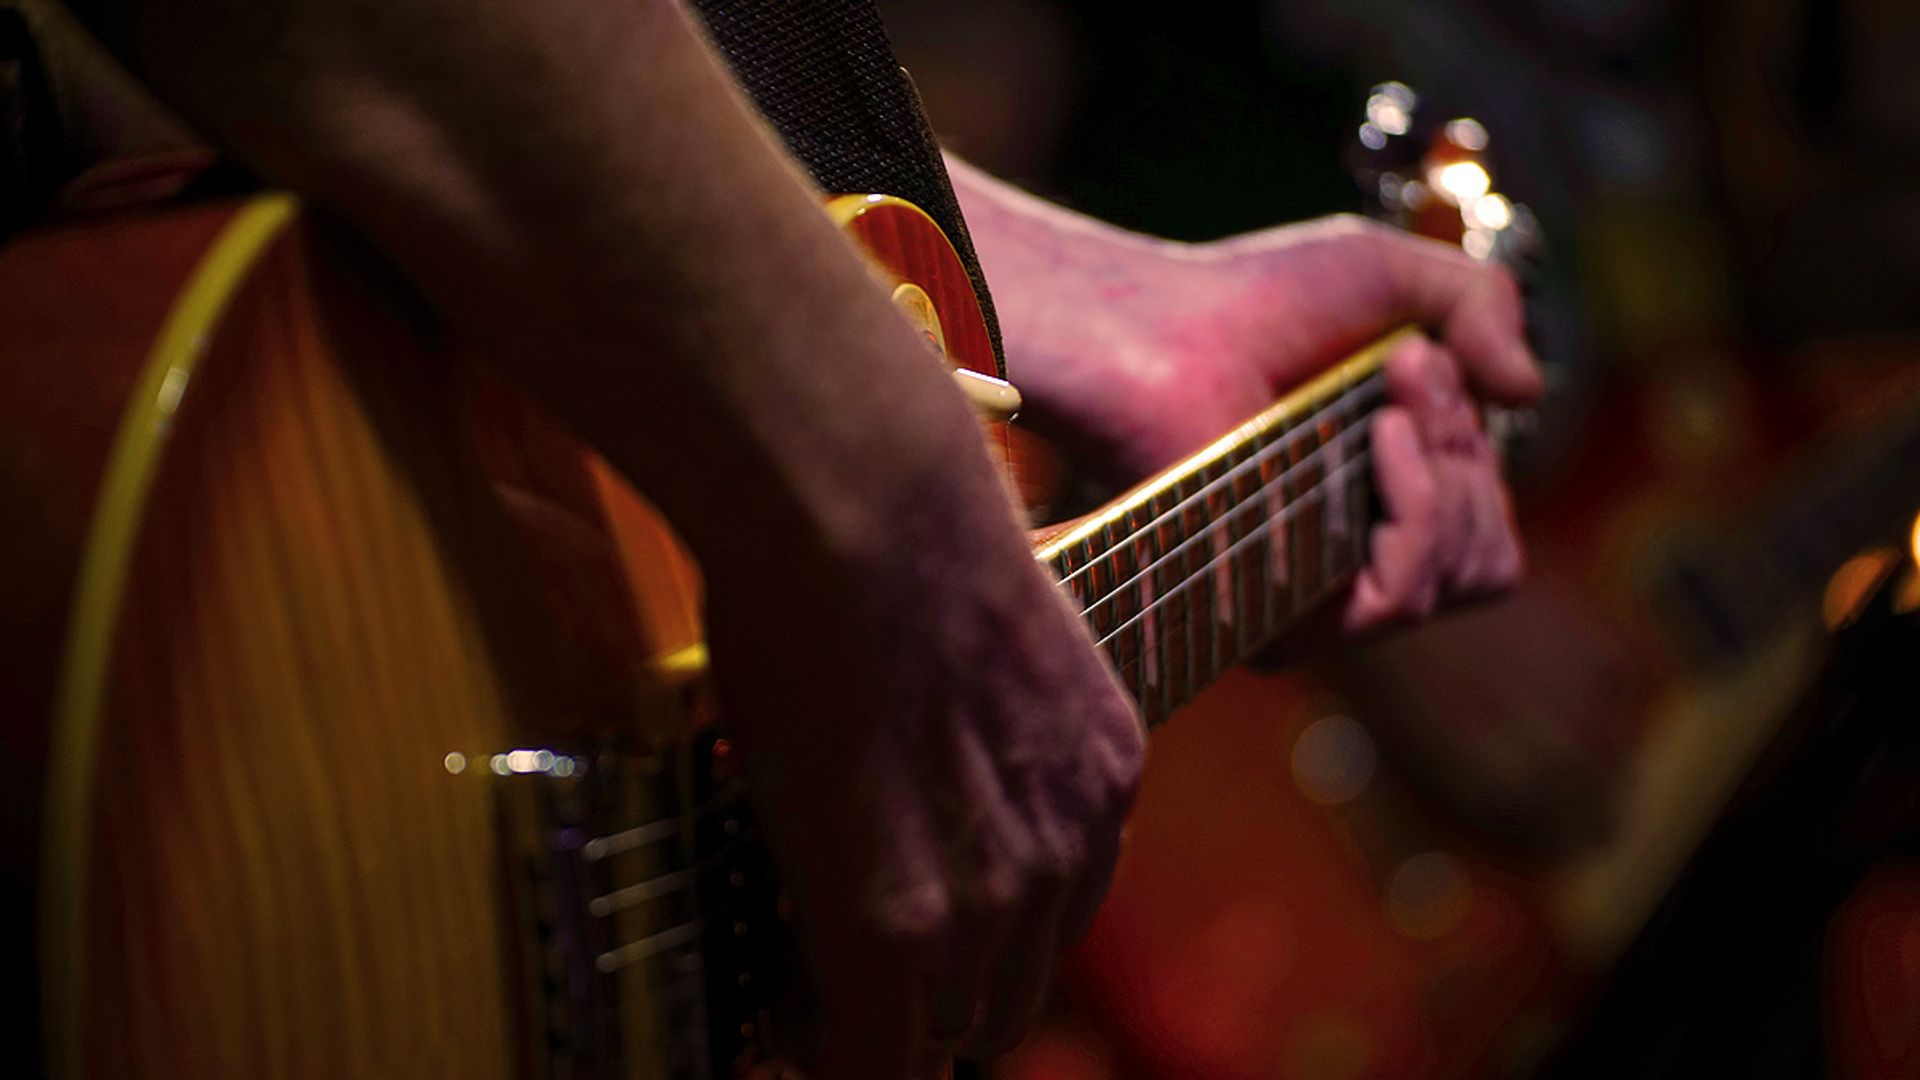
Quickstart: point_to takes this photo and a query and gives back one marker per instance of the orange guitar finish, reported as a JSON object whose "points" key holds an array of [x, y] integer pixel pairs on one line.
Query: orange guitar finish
{"points": [[381, 657]]}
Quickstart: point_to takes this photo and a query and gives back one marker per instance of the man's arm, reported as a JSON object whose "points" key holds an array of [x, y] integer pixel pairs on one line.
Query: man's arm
{"points": [[579, 189]]}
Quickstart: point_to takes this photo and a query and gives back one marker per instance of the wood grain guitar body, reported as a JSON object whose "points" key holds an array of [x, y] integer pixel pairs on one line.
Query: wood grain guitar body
{"points": [[355, 711]]}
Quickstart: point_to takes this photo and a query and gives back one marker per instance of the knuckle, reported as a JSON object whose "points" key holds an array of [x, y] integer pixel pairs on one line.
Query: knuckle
{"points": [[1502, 286], [1055, 866], [1121, 782], [1348, 223], [1129, 753], [913, 929], [1476, 578], [1001, 889]]}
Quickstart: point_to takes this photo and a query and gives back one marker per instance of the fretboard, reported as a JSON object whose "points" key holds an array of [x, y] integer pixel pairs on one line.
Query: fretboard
{"points": [[1200, 566]]}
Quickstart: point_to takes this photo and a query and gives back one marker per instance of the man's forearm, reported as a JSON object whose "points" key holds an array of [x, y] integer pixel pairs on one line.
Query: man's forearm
{"points": [[580, 189], [1025, 241]]}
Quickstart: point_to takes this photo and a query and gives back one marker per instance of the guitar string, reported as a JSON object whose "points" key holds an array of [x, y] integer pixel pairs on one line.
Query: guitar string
{"points": [[1139, 662], [1338, 403], [621, 956], [1356, 430], [1259, 532]]}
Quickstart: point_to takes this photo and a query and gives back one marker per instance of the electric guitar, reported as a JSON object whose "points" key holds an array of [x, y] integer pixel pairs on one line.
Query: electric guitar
{"points": [[356, 711]]}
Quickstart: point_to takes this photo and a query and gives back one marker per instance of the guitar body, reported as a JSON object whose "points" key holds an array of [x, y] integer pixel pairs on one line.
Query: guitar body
{"points": [[355, 715]]}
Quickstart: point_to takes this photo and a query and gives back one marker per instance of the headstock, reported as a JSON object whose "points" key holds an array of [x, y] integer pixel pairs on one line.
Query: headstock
{"points": [[1434, 178]]}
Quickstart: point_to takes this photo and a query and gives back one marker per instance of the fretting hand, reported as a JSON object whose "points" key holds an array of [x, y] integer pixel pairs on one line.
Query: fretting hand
{"points": [[1135, 351]]}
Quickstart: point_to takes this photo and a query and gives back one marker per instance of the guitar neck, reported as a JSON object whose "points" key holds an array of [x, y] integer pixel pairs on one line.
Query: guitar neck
{"points": [[1193, 570]]}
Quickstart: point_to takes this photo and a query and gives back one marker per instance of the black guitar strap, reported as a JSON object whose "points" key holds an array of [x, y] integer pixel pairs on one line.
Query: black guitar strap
{"points": [[823, 73]]}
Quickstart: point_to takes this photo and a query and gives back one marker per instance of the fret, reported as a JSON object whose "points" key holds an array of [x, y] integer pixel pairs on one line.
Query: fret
{"points": [[1305, 483], [1065, 563], [1146, 624], [1121, 606], [1176, 631], [1308, 476], [1366, 496], [1249, 559], [1220, 596], [1226, 532], [1202, 588], [1334, 518], [1083, 551], [1281, 596], [1334, 521], [1167, 587], [1199, 589], [1360, 509], [1363, 502], [1100, 581]]}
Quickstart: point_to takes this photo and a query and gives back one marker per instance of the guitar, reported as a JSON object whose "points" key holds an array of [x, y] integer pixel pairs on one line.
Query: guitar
{"points": [[359, 711]]}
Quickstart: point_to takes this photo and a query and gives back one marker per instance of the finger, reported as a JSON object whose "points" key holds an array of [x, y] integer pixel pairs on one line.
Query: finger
{"points": [[1425, 379], [1457, 426], [1487, 330], [872, 1007], [961, 980], [1477, 309], [1021, 972], [988, 895], [1103, 841], [1493, 556], [1096, 879], [1411, 383], [1400, 578]]}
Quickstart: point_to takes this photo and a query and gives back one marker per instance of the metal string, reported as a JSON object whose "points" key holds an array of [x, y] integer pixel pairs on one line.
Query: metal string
{"points": [[1241, 506], [1259, 532], [1367, 385]]}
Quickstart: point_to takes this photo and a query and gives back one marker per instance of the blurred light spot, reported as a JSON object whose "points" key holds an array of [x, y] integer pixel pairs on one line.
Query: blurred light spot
{"points": [[543, 760], [1492, 212], [456, 762], [1333, 760], [522, 761], [1913, 542], [1390, 108], [1427, 895], [1414, 194], [1372, 137], [1467, 133], [1477, 243], [499, 764], [1850, 585], [563, 767], [1464, 180]]}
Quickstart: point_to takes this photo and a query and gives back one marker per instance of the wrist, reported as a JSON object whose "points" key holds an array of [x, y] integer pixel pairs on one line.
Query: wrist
{"points": [[876, 511]]}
